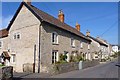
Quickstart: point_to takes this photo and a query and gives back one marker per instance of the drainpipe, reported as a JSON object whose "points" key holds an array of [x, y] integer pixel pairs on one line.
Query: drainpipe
{"points": [[34, 58], [39, 46]]}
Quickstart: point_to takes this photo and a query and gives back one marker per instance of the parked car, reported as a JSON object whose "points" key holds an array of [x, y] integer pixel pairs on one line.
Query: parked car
{"points": [[118, 64]]}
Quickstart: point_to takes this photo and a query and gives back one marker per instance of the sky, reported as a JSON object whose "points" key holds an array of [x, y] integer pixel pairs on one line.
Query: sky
{"points": [[100, 18]]}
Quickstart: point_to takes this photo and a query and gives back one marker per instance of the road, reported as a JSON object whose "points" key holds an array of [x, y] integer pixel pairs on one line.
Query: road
{"points": [[104, 70]]}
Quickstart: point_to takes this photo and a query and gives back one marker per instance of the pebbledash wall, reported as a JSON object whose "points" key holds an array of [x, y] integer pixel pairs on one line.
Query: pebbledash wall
{"points": [[27, 25]]}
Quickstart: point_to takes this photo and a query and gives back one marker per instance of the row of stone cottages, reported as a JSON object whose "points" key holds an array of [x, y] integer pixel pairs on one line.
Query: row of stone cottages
{"points": [[34, 36]]}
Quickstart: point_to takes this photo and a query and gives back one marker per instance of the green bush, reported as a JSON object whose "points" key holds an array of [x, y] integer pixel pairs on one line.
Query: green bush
{"points": [[119, 53], [62, 59], [115, 55], [76, 58], [103, 60]]}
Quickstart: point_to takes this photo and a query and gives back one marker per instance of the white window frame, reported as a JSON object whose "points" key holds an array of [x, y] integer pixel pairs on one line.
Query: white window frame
{"points": [[55, 38], [55, 56], [88, 46], [1, 44], [72, 41], [15, 36], [98, 45], [81, 45], [13, 58]]}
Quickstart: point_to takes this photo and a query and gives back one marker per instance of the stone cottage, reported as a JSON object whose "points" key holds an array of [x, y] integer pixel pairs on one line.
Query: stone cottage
{"points": [[35, 37], [4, 57], [108, 50], [98, 48]]}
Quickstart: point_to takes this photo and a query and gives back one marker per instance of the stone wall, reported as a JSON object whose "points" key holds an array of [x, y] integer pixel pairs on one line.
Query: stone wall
{"points": [[6, 73], [86, 64], [65, 67], [27, 67]]}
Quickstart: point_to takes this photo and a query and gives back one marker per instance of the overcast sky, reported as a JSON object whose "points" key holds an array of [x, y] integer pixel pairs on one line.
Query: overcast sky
{"points": [[101, 19]]}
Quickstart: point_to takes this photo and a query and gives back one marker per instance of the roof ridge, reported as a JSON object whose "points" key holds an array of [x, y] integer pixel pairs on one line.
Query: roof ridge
{"points": [[52, 16], [62, 23], [97, 40]]}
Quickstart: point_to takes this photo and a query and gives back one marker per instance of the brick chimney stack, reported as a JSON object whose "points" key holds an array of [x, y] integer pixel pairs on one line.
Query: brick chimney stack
{"points": [[61, 16], [77, 26], [27, 1], [88, 33]]}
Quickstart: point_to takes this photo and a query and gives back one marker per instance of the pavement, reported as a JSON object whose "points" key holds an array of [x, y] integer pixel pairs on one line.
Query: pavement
{"points": [[31, 75]]}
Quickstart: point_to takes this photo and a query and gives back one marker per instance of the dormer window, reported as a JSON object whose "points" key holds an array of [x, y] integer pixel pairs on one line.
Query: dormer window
{"points": [[54, 38], [17, 36]]}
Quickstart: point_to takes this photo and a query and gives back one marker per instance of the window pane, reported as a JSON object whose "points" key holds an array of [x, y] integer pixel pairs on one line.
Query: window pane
{"points": [[52, 37], [81, 45], [0, 44], [15, 36], [54, 56], [55, 38], [72, 42], [18, 36], [13, 58]]}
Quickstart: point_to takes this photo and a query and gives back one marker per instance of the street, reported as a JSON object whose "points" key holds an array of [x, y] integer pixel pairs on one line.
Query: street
{"points": [[104, 70]]}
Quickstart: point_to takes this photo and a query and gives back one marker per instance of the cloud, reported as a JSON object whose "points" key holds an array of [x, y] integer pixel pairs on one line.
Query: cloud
{"points": [[5, 21]]}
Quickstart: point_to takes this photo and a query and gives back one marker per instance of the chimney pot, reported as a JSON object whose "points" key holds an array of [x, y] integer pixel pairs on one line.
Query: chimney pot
{"points": [[61, 16], [27, 1], [88, 33], [77, 26]]}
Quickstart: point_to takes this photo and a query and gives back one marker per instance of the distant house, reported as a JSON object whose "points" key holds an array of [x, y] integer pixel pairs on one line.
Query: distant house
{"points": [[108, 49], [115, 48], [5, 56], [35, 36], [98, 48]]}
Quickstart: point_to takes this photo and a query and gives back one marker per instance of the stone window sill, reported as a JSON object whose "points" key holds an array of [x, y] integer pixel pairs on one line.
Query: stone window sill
{"points": [[55, 43], [73, 46]]}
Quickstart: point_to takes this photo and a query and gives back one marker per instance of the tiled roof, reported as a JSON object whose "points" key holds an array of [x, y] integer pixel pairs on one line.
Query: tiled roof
{"points": [[52, 20], [5, 54], [42, 16], [100, 42], [3, 33]]}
